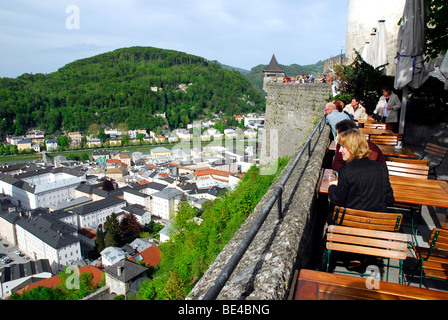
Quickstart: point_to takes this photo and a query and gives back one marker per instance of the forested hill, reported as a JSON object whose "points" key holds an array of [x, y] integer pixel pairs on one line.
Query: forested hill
{"points": [[118, 87]]}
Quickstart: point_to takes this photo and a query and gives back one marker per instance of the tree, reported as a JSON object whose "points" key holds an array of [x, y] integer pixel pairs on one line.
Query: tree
{"points": [[108, 185], [113, 237], [100, 240], [123, 128], [130, 227], [437, 28], [94, 129]]}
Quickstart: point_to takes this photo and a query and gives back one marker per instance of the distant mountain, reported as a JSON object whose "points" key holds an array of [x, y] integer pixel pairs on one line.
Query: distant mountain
{"points": [[256, 73], [129, 85], [243, 71]]}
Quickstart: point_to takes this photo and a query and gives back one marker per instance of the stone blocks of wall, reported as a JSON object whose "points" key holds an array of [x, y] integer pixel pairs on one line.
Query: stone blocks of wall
{"points": [[291, 112], [266, 270]]}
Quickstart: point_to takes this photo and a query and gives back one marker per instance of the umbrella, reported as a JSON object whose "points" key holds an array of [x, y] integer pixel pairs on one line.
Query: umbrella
{"points": [[365, 55], [381, 45], [372, 49], [444, 70], [410, 45]]}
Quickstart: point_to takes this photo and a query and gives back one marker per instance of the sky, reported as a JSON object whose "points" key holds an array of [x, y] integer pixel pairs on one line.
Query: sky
{"points": [[41, 36]]}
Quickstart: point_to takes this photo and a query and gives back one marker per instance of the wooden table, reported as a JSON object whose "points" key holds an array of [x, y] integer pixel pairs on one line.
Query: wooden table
{"points": [[425, 192], [391, 151], [318, 285]]}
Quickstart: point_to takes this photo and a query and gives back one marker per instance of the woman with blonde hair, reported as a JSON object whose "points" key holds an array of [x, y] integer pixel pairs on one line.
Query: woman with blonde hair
{"points": [[362, 184]]}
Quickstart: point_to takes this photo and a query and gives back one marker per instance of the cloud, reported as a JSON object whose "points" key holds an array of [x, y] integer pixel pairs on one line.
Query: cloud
{"points": [[241, 33]]}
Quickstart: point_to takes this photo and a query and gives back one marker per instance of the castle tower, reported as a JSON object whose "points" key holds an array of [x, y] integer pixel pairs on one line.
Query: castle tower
{"points": [[273, 72], [363, 16]]}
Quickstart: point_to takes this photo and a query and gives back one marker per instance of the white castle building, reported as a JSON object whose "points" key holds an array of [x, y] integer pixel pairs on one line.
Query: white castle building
{"points": [[362, 17]]}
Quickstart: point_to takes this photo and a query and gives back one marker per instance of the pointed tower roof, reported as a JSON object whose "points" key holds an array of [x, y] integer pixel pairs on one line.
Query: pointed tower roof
{"points": [[274, 66]]}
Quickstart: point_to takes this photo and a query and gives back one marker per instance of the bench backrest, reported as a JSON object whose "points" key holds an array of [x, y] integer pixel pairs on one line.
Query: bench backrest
{"points": [[425, 162], [367, 219], [413, 170], [378, 126], [436, 150], [383, 244], [438, 239], [389, 139]]}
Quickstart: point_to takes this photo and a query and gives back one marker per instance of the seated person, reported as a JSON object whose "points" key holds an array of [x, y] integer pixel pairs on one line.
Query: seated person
{"points": [[375, 152], [334, 116], [362, 183], [356, 109]]}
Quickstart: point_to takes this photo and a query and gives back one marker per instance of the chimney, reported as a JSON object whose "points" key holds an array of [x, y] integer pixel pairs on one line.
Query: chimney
{"points": [[119, 271]]}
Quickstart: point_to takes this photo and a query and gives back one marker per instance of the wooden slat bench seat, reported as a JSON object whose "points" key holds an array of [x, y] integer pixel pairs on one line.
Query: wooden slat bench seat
{"points": [[367, 219], [382, 244], [317, 285]]}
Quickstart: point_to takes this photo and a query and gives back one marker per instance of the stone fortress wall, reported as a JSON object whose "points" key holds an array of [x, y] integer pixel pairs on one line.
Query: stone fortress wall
{"points": [[291, 113]]}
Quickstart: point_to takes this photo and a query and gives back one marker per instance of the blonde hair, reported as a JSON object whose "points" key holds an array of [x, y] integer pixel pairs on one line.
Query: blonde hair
{"points": [[355, 142]]}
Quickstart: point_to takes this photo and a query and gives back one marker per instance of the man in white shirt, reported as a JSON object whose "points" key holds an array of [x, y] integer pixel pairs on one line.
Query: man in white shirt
{"points": [[356, 109]]}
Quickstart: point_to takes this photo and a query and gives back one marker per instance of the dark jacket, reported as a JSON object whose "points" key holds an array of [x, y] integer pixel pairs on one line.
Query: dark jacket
{"points": [[363, 184], [375, 154]]}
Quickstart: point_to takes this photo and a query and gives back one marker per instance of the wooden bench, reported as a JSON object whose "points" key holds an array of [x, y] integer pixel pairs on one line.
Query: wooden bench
{"points": [[386, 139], [383, 244], [367, 219], [433, 261], [317, 285]]}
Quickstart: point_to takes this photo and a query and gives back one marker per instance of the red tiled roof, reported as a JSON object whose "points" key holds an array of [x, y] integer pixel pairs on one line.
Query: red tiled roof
{"points": [[212, 172], [88, 233], [143, 182], [53, 281], [150, 256], [113, 161]]}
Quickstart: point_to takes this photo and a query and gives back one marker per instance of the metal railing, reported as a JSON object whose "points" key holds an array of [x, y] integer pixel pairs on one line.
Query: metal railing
{"points": [[225, 274]]}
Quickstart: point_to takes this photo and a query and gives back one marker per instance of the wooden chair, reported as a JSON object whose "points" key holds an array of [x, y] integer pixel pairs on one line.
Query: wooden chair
{"points": [[409, 168], [437, 153], [383, 244], [411, 161], [433, 261], [367, 219], [317, 285], [386, 139], [384, 126]]}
